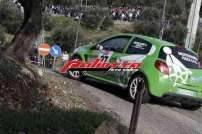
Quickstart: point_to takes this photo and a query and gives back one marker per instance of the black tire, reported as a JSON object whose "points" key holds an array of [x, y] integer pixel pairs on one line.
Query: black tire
{"points": [[81, 73], [146, 95], [190, 106]]}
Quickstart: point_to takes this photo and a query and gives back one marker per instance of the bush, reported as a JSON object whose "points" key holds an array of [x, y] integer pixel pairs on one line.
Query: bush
{"points": [[48, 22], [10, 17], [151, 14], [62, 21], [151, 24], [147, 28], [107, 23], [176, 34], [2, 35], [92, 21], [52, 22], [66, 36]]}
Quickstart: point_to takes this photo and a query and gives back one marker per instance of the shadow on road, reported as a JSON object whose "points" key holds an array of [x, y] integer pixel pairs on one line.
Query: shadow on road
{"points": [[123, 94], [117, 91]]}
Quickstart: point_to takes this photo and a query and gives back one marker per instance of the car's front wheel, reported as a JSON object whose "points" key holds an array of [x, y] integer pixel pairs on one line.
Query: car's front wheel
{"points": [[191, 106], [133, 88]]}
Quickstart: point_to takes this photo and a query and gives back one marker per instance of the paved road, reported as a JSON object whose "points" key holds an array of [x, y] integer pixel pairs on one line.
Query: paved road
{"points": [[157, 117]]}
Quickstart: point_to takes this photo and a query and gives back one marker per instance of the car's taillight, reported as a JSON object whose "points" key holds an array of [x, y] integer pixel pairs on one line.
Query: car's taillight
{"points": [[162, 67]]}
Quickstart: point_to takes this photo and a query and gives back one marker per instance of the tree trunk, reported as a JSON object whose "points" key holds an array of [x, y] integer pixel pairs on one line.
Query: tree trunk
{"points": [[23, 40]]}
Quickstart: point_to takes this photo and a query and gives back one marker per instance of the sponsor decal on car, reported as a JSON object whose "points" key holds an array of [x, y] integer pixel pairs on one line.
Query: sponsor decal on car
{"points": [[179, 73], [99, 65]]}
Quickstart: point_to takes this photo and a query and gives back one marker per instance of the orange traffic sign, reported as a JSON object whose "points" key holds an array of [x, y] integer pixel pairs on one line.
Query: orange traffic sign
{"points": [[44, 49]]}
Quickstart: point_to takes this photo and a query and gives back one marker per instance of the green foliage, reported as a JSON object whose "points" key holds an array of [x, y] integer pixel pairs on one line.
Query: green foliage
{"points": [[147, 28], [63, 2], [48, 22], [107, 23], [151, 14], [175, 9], [97, 18], [49, 40], [151, 24], [92, 21], [63, 21], [64, 31], [65, 34], [141, 2], [98, 2], [176, 12], [2, 35], [10, 16], [52, 120], [176, 34]]}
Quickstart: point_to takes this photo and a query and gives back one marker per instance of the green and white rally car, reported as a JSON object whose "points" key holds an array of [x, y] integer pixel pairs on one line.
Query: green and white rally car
{"points": [[166, 71]]}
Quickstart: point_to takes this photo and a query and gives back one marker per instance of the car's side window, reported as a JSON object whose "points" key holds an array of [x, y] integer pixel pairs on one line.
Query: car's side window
{"points": [[139, 46], [108, 45], [116, 44]]}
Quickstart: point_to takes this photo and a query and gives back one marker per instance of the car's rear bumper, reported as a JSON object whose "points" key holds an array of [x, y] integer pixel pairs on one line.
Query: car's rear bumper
{"points": [[182, 98]]}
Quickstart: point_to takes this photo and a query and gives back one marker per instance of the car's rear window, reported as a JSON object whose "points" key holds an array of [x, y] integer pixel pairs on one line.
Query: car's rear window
{"points": [[186, 57]]}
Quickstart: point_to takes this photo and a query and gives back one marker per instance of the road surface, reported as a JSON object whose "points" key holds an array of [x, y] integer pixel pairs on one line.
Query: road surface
{"points": [[157, 117]]}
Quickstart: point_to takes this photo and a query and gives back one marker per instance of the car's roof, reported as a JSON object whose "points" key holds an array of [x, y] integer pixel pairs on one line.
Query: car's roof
{"points": [[161, 42], [150, 39], [153, 40]]}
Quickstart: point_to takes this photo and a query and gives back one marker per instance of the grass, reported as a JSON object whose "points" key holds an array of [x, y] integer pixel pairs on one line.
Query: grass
{"points": [[94, 35], [51, 121]]}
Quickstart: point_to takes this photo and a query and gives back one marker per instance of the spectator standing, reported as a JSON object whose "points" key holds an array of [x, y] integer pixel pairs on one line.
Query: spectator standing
{"points": [[65, 57]]}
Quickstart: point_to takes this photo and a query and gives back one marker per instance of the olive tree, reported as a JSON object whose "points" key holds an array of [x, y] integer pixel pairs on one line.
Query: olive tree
{"points": [[28, 31]]}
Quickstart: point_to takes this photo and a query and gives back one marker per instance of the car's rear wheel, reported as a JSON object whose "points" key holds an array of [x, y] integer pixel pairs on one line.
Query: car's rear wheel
{"points": [[77, 75], [133, 88], [191, 106]]}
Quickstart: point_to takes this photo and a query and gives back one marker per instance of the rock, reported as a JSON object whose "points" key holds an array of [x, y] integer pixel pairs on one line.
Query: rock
{"points": [[65, 92], [40, 72]]}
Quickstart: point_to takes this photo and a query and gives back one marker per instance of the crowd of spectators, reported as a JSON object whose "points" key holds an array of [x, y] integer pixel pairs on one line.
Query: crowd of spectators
{"points": [[127, 14], [62, 10], [119, 13]]}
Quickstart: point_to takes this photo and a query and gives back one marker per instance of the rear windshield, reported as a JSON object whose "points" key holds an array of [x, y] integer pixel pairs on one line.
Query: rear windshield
{"points": [[186, 57]]}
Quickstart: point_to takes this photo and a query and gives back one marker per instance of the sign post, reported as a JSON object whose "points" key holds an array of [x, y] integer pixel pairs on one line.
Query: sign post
{"points": [[136, 108], [55, 52], [44, 61], [44, 50]]}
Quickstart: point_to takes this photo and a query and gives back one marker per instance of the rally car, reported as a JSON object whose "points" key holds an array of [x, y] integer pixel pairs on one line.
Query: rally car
{"points": [[167, 70]]}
